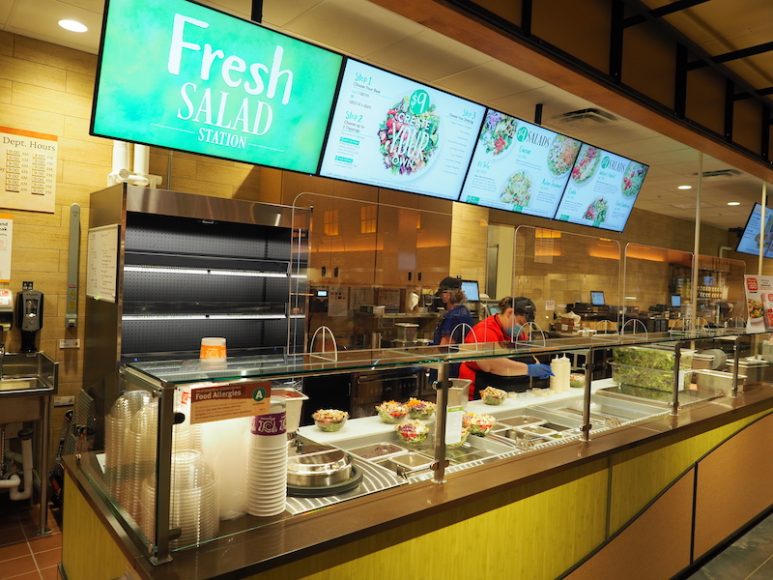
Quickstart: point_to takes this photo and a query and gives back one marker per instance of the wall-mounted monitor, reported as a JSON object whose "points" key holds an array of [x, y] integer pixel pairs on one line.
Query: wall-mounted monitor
{"points": [[749, 243], [676, 301], [597, 298], [183, 76], [393, 132], [601, 190], [518, 166], [470, 289]]}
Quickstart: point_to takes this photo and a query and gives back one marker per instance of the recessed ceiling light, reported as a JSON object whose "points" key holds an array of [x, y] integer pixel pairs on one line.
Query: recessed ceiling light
{"points": [[733, 203], [73, 25], [684, 187]]}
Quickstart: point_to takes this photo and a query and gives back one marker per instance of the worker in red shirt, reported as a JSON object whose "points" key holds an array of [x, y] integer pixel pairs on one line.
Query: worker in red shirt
{"points": [[503, 326]]}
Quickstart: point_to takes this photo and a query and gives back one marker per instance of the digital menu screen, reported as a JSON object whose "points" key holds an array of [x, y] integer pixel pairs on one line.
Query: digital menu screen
{"points": [[180, 75], [518, 166], [750, 239], [393, 132], [601, 190]]}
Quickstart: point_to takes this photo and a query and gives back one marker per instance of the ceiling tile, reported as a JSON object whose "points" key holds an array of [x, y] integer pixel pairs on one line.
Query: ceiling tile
{"points": [[95, 6], [366, 31], [428, 56], [490, 81], [39, 19]]}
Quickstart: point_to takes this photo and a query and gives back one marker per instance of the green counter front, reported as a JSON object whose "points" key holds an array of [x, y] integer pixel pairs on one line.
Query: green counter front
{"points": [[661, 493]]}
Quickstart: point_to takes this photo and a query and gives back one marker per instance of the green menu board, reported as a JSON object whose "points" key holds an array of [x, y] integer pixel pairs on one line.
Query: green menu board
{"points": [[180, 75]]}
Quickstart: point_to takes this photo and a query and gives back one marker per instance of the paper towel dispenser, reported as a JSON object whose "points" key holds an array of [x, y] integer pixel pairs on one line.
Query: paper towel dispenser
{"points": [[6, 310]]}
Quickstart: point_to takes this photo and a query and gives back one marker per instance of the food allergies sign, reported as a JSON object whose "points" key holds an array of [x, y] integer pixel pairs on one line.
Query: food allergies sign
{"points": [[183, 76]]}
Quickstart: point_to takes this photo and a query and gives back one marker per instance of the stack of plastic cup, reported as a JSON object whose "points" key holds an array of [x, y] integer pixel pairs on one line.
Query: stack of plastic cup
{"points": [[116, 426], [267, 468], [141, 453], [193, 505]]}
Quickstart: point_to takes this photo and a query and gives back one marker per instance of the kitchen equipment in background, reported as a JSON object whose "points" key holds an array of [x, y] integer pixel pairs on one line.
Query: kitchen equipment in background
{"points": [[754, 368], [29, 315], [405, 334], [6, 312], [293, 406], [370, 389], [458, 392], [713, 358]]}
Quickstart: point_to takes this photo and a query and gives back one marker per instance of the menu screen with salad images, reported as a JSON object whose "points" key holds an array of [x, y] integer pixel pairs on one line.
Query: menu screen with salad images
{"points": [[518, 166], [601, 190], [750, 239], [393, 132]]}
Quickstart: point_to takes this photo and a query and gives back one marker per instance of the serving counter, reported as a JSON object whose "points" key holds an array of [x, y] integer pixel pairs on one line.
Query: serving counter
{"points": [[559, 475]]}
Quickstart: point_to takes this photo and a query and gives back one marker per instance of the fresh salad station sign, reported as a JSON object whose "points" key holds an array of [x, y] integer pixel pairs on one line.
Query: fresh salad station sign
{"points": [[602, 189], [195, 79], [519, 167], [393, 132], [191, 78]]}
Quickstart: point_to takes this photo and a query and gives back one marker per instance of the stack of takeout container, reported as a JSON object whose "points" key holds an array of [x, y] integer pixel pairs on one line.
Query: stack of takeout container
{"points": [[267, 469], [193, 508]]}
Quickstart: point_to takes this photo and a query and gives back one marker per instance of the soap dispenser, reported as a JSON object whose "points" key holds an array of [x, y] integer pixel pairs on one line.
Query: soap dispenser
{"points": [[29, 315]]}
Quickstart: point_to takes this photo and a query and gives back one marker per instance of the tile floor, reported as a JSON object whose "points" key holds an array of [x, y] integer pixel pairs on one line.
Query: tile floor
{"points": [[749, 558], [23, 554]]}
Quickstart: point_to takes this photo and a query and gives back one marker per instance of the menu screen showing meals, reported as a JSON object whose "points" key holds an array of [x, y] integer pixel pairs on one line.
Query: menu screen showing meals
{"points": [[393, 132], [602, 189], [750, 239], [518, 166]]}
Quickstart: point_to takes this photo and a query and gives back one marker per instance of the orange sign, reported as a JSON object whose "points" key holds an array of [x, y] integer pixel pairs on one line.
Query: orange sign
{"points": [[230, 401]]}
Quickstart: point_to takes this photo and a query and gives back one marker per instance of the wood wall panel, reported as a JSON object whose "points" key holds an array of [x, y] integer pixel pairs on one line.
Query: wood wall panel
{"points": [[639, 474], [649, 62], [654, 546], [735, 483]]}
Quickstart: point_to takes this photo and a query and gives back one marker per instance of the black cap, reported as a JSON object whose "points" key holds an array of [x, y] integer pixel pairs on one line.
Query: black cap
{"points": [[524, 306], [450, 283]]}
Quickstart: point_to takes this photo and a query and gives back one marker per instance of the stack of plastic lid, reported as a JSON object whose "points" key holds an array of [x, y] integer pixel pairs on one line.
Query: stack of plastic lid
{"points": [[267, 469], [117, 462], [193, 508]]}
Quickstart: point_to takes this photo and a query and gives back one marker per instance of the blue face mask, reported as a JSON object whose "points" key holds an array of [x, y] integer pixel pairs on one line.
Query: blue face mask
{"points": [[514, 331]]}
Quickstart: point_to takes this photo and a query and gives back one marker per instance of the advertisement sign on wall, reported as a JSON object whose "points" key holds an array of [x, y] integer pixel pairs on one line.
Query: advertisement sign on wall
{"points": [[390, 131], [759, 303], [519, 167], [183, 76], [602, 189]]}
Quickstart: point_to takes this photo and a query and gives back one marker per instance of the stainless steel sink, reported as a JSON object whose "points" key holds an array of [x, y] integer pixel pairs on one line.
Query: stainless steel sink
{"points": [[26, 377], [22, 384]]}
